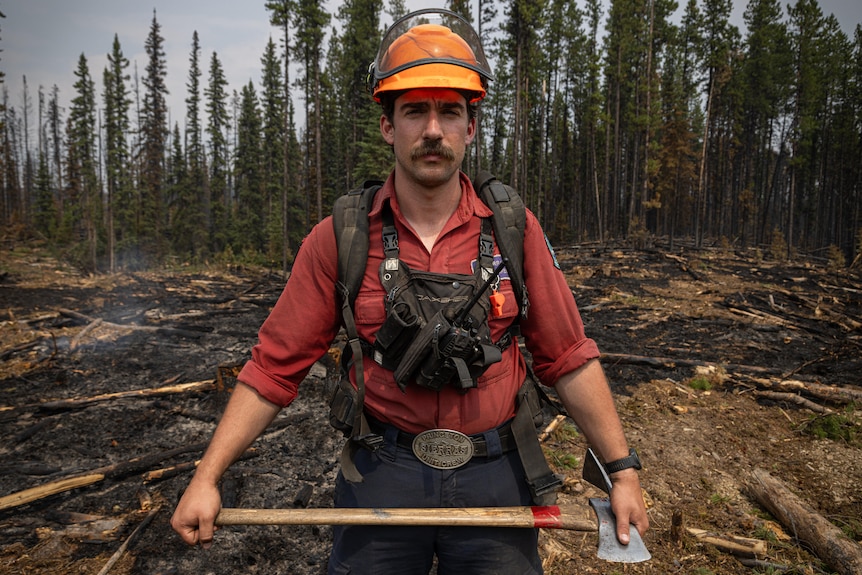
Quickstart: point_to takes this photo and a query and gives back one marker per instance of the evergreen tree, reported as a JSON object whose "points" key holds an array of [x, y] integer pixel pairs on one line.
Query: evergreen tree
{"points": [[217, 128], [188, 226], [767, 73], [11, 193], [281, 11], [721, 43], [625, 53], [120, 201], [54, 145], [523, 24], [311, 20], [82, 216], [248, 219], [44, 207], [678, 151], [154, 133], [807, 26], [273, 111], [366, 153]]}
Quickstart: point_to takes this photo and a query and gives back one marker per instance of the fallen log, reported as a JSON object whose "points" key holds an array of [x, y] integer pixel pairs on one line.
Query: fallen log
{"points": [[114, 471], [59, 405], [793, 398], [671, 362], [119, 326], [48, 489], [819, 390], [733, 544], [809, 527]]}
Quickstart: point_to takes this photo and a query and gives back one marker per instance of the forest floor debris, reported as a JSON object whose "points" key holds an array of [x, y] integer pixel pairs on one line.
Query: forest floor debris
{"points": [[723, 365]]}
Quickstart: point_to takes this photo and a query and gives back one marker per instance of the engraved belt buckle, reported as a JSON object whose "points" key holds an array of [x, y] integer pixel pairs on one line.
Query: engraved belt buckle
{"points": [[443, 448]]}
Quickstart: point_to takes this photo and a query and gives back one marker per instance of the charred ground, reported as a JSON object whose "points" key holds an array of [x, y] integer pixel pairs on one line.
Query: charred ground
{"points": [[695, 342]]}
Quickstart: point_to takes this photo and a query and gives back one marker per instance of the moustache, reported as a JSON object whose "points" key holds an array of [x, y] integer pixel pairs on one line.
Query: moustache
{"points": [[435, 148]]}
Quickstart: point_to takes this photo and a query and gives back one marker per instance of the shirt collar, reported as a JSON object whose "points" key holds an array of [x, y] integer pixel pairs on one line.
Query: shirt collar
{"points": [[470, 205]]}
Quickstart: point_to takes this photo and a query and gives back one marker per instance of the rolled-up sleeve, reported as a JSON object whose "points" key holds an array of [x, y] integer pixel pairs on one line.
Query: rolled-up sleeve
{"points": [[553, 331], [302, 324]]}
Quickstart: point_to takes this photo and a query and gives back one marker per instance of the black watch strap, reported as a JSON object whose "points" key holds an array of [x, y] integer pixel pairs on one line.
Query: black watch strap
{"points": [[626, 462]]}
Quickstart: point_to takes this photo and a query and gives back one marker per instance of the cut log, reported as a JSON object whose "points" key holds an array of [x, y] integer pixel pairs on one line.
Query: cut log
{"points": [[819, 390], [793, 398], [733, 544], [825, 539]]}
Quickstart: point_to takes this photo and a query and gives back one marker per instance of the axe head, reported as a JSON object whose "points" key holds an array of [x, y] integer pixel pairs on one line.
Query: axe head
{"points": [[610, 549]]}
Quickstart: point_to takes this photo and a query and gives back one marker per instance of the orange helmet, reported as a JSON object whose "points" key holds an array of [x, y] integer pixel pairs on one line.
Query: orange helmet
{"points": [[431, 48]]}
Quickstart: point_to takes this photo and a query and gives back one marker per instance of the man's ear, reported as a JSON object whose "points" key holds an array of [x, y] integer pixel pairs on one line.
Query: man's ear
{"points": [[387, 129], [471, 132]]}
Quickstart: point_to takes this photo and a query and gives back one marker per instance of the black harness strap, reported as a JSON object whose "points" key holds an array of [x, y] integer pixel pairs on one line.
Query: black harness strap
{"points": [[350, 220]]}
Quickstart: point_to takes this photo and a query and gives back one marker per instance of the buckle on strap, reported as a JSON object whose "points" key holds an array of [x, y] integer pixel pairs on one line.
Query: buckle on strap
{"points": [[544, 485], [371, 441]]}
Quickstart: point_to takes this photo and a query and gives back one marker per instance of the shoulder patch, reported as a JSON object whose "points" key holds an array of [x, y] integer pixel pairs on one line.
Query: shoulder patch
{"points": [[553, 253]]}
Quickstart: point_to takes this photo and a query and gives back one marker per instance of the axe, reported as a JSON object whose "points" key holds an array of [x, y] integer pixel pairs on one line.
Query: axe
{"points": [[545, 516], [610, 548]]}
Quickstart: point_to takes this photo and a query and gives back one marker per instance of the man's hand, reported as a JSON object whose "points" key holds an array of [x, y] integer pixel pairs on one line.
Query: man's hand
{"points": [[196, 512], [627, 504]]}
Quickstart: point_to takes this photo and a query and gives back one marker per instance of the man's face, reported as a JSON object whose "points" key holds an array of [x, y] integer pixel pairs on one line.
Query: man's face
{"points": [[430, 130]]}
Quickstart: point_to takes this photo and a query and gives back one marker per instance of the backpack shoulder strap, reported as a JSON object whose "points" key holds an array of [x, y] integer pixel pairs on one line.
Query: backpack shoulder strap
{"points": [[510, 216], [350, 222]]}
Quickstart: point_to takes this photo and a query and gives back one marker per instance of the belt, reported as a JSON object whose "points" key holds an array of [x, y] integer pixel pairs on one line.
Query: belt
{"points": [[480, 446]]}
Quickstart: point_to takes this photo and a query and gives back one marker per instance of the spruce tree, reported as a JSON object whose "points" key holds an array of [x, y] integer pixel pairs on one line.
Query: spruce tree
{"points": [[120, 201], [218, 121], [281, 11], [81, 219], [248, 218], [273, 112], [154, 133], [360, 115], [192, 241], [311, 21]]}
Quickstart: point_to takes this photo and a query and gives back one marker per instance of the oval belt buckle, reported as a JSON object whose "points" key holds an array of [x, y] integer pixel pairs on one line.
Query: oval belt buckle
{"points": [[443, 448]]}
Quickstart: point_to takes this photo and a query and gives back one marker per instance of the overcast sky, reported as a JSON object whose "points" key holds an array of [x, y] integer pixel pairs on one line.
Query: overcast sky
{"points": [[43, 39]]}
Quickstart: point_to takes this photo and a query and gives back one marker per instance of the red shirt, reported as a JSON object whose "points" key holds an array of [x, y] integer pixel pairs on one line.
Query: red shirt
{"points": [[307, 317]]}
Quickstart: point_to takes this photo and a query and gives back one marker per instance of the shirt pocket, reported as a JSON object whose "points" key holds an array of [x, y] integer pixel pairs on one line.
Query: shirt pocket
{"points": [[510, 306]]}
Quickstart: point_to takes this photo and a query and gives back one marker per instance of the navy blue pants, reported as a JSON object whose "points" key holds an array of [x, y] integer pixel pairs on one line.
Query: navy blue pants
{"points": [[393, 477]]}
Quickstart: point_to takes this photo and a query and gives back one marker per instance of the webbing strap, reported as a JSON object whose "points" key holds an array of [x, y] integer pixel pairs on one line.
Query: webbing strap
{"points": [[543, 482], [350, 221], [509, 226]]}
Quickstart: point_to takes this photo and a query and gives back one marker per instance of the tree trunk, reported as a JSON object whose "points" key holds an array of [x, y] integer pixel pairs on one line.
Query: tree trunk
{"points": [[808, 526]]}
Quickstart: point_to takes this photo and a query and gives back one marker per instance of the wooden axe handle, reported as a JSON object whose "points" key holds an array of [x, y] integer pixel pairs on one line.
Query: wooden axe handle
{"points": [[549, 517]]}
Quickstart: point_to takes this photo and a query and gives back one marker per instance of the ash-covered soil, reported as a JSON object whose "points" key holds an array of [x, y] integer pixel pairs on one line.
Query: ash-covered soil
{"points": [[695, 342]]}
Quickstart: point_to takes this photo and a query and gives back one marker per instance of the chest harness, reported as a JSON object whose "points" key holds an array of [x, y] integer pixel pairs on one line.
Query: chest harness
{"points": [[436, 330]]}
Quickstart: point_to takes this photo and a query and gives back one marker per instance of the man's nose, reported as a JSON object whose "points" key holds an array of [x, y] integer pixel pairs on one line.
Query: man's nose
{"points": [[433, 129]]}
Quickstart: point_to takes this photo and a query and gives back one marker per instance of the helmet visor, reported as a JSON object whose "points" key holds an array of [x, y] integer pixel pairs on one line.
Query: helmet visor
{"points": [[430, 36]]}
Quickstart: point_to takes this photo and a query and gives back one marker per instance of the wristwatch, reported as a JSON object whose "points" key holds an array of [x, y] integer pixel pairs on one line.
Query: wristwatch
{"points": [[618, 465]]}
